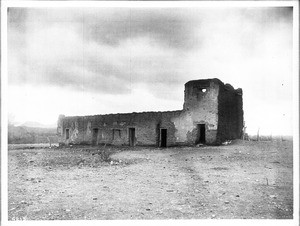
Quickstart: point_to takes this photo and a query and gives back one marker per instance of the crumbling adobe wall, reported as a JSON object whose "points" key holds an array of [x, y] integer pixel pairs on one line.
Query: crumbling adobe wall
{"points": [[230, 124], [200, 107], [208, 102], [114, 128], [75, 126]]}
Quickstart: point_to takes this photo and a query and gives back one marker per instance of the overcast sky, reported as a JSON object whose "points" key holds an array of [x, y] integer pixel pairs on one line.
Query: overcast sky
{"points": [[85, 61]]}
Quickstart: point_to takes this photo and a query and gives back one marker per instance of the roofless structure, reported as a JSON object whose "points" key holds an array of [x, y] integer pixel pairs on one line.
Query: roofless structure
{"points": [[212, 113]]}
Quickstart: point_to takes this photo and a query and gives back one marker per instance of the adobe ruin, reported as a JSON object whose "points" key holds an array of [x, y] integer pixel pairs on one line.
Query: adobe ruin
{"points": [[212, 113]]}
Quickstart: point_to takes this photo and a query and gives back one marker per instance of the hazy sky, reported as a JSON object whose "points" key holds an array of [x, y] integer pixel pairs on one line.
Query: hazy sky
{"points": [[83, 61]]}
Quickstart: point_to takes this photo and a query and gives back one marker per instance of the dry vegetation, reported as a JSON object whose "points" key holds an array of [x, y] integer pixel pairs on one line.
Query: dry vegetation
{"points": [[31, 135], [245, 179]]}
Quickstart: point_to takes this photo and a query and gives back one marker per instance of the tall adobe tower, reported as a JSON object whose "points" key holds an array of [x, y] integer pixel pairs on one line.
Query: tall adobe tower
{"points": [[215, 110], [201, 105]]}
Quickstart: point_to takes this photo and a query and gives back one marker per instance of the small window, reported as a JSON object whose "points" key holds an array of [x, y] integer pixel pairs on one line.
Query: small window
{"points": [[203, 90], [116, 134], [67, 133]]}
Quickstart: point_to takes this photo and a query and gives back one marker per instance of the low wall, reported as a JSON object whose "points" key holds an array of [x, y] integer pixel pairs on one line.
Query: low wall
{"points": [[114, 128]]}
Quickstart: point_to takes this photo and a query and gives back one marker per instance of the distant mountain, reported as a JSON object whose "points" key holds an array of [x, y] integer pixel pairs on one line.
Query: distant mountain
{"points": [[37, 125]]}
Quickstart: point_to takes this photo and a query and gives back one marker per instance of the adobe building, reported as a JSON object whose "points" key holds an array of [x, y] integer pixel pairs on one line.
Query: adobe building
{"points": [[212, 113]]}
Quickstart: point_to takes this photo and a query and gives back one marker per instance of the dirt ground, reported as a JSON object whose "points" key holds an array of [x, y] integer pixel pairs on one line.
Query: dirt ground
{"points": [[243, 180]]}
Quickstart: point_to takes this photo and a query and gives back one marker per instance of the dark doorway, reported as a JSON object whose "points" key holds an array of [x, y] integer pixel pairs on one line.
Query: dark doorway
{"points": [[131, 136], [163, 138], [95, 136], [201, 134], [67, 134]]}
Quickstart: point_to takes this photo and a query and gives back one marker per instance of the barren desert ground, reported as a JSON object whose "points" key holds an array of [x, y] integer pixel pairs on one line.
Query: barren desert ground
{"points": [[245, 179]]}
